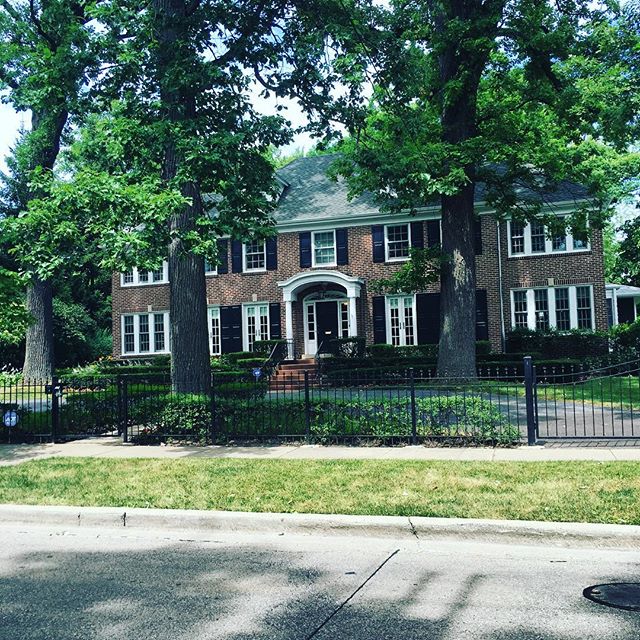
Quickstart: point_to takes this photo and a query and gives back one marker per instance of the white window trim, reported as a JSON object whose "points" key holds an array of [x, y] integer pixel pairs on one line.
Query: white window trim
{"points": [[245, 322], [573, 306], [213, 272], [313, 249], [136, 277], [386, 241], [244, 259], [548, 244], [210, 311], [388, 318], [136, 333]]}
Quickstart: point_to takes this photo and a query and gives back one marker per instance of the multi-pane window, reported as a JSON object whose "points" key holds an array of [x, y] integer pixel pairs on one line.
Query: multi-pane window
{"points": [[538, 238], [401, 315], [210, 269], [144, 333], [541, 299], [158, 332], [563, 313], [559, 242], [255, 257], [561, 308], [215, 334], [129, 341], [324, 248], [517, 238], [344, 319], [397, 241], [520, 309], [141, 277], [583, 306], [535, 239], [311, 321], [257, 324]]}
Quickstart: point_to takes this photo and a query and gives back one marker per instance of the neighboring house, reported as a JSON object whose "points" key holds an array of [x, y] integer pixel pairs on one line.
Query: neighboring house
{"points": [[310, 283], [622, 304]]}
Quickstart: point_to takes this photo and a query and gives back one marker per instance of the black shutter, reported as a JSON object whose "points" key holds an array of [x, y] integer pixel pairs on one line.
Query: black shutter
{"points": [[433, 233], [231, 329], [477, 229], [342, 246], [274, 321], [305, 249], [428, 317], [223, 256], [482, 315], [417, 235], [377, 240], [379, 320], [272, 254], [236, 256]]}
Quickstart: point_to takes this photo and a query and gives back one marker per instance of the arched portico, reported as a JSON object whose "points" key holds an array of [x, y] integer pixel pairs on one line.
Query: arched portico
{"points": [[294, 288]]}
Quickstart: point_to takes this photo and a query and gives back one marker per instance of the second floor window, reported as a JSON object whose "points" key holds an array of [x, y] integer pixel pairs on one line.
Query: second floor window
{"points": [[324, 248], [255, 256], [397, 242], [139, 277], [533, 239]]}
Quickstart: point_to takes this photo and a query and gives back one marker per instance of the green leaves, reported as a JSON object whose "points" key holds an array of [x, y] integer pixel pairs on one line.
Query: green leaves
{"points": [[14, 318]]}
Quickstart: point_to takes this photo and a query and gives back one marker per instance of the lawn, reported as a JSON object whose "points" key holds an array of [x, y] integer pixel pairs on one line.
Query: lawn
{"points": [[562, 491]]}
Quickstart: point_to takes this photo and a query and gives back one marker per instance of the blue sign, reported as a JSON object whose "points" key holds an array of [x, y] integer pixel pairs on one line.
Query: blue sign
{"points": [[10, 419], [257, 372]]}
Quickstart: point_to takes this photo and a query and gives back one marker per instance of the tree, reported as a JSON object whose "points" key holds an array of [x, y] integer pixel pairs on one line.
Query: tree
{"points": [[47, 56], [513, 95], [14, 318], [627, 263]]}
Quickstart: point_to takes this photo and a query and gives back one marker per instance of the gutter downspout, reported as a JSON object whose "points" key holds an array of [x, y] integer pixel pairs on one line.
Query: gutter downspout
{"points": [[503, 334]]}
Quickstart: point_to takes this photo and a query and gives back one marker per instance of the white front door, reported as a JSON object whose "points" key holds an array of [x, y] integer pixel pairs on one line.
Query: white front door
{"points": [[257, 324], [317, 329], [401, 323]]}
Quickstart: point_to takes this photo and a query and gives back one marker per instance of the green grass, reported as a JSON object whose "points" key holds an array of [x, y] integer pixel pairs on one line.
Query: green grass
{"points": [[561, 491]]}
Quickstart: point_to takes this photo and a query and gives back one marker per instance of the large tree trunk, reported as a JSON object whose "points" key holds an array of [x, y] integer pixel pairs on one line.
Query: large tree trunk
{"points": [[190, 365], [461, 67], [39, 359]]}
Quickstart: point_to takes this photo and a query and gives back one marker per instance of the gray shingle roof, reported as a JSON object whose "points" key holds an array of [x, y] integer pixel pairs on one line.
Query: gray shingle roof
{"points": [[311, 195]]}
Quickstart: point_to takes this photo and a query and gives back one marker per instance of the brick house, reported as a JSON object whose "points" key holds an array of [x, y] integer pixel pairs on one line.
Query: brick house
{"points": [[310, 282]]}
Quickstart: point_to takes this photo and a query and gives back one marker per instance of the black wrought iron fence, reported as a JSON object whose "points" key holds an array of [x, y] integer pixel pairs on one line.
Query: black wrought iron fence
{"points": [[501, 406]]}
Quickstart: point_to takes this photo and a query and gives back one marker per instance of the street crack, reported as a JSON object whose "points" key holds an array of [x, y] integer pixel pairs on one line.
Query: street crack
{"points": [[414, 531], [344, 603]]}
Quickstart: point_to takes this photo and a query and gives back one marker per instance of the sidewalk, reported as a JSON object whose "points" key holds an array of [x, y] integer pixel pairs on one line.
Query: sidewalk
{"points": [[113, 448]]}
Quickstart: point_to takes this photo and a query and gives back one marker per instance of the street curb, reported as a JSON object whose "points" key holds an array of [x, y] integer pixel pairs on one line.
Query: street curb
{"points": [[396, 527]]}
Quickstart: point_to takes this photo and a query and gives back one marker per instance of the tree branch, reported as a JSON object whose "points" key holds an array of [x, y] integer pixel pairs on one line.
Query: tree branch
{"points": [[38, 25], [10, 10]]}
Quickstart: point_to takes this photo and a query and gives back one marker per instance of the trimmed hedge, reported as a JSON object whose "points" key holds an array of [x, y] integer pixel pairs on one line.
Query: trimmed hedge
{"points": [[554, 344]]}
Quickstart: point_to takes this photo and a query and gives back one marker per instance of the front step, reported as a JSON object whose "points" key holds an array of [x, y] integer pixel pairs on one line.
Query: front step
{"points": [[290, 375]]}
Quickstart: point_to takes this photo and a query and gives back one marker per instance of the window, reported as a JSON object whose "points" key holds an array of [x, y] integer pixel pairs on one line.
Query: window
{"points": [[583, 306], [344, 319], [541, 298], [138, 277], [255, 255], [257, 324], [561, 308], [397, 242], [517, 237], [215, 335], [521, 314], [324, 248], [533, 239], [401, 321], [537, 237], [145, 333], [210, 269], [563, 314]]}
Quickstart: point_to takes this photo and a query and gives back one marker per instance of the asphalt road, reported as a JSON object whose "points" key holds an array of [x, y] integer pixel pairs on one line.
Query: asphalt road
{"points": [[59, 584]]}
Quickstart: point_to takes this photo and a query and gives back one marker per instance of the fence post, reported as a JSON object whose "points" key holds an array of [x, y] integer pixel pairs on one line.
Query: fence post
{"points": [[307, 406], [125, 409], [529, 382], [212, 429], [55, 408], [414, 422]]}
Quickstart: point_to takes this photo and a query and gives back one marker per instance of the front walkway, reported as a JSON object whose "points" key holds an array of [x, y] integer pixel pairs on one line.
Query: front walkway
{"points": [[113, 448]]}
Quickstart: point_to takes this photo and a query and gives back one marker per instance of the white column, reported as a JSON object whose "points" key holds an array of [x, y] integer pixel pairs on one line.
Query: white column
{"points": [[353, 317], [288, 322]]}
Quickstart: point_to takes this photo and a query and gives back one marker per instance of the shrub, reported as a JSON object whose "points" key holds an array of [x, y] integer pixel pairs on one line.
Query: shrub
{"points": [[265, 347], [250, 363], [256, 389], [88, 413], [232, 358], [576, 343], [625, 338], [352, 347]]}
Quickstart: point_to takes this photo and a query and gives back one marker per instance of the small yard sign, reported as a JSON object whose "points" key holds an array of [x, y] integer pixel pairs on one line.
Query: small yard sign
{"points": [[257, 373], [10, 419]]}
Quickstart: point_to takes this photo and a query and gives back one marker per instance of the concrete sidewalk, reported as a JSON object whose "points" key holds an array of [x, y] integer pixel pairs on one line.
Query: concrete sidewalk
{"points": [[113, 448]]}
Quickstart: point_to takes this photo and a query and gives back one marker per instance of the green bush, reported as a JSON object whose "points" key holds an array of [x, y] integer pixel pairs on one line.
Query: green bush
{"points": [[256, 389], [250, 363], [352, 347], [576, 343], [265, 347], [232, 358], [625, 338], [88, 413]]}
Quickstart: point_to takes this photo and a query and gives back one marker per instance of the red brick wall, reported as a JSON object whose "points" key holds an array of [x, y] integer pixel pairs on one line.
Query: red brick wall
{"points": [[238, 288]]}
